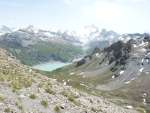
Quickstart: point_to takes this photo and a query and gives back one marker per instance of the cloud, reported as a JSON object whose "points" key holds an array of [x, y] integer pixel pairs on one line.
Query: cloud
{"points": [[137, 1], [68, 2], [104, 11], [119, 15]]}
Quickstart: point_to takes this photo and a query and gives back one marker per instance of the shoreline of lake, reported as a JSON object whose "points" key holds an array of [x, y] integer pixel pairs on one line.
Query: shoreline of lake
{"points": [[50, 66]]}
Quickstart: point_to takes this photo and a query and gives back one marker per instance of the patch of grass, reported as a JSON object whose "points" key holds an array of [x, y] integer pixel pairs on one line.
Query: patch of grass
{"points": [[57, 109], [2, 97], [19, 105], [27, 83], [44, 103], [2, 78], [147, 111], [71, 97], [73, 100], [48, 90], [18, 82], [47, 86], [97, 110], [44, 84], [32, 96], [94, 110], [41, 84], [15, 84], [64, 93], [140, 110], [7, 110], [68, 94]]}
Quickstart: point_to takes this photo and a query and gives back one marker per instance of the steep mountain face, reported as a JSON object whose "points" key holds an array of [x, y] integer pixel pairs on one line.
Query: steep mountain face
{"points": [[105, 38], [101, 39], [33, 46], [22, 90], [120, 71]]}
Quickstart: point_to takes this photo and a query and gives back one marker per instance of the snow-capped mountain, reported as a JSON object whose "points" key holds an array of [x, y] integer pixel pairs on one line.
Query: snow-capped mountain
{"points": [[93, 33], [104, 38], [100, 39], [48, 35], [5, 29], [34, 46]]}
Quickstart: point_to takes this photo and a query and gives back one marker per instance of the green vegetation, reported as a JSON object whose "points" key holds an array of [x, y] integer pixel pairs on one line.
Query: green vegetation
{"points": [[64, 74], [7, 110], [16, 80], [44, 51], [48, 90], [18, 104], [57, 109], [147, 111], [119, 96], [96, 110], [32, 96], [20, 82], [2, 97], [93, 109], [47, 86], [73, 100], [44, 103], [71, 97]]}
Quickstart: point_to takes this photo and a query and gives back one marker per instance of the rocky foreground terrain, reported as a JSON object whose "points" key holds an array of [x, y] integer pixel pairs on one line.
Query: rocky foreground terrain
{"points": [[23, 90]]}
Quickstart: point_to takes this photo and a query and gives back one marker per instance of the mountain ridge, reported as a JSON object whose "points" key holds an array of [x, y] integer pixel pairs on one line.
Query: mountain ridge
{"points": [[36, 47], [119, 71]]}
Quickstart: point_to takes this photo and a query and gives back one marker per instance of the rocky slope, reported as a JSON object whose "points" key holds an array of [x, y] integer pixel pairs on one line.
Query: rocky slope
{"points": [[104, 38], [120, 71], [23, 90]]}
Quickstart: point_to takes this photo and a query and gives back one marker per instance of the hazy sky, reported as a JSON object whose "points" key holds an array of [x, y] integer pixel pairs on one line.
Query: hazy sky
{"points": [[119, 15]]}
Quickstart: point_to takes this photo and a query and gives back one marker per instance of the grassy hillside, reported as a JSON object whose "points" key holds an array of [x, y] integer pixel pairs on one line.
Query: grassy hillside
{"points": [[43, 52]]}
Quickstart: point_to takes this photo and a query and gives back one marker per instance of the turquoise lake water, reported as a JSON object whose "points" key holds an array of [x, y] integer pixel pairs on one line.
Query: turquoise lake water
{"points": [[50, 66]]}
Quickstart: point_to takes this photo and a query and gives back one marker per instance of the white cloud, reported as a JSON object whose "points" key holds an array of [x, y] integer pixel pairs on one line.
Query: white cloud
{"points": [[68, 2], [117, 15], [104, 11], [137, 1]]}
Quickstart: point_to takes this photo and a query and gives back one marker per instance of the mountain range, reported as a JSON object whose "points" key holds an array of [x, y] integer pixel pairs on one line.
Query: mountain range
{"points": [[113, 76], [33, 46], [120, 71]]}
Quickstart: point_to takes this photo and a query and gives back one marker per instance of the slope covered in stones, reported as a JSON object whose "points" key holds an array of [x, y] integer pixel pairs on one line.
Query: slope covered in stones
{"points": [[23, 90]]}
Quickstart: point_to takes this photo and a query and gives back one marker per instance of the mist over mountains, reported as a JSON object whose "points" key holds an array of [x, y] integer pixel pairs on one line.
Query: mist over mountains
{"points": [[33, 46]]}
